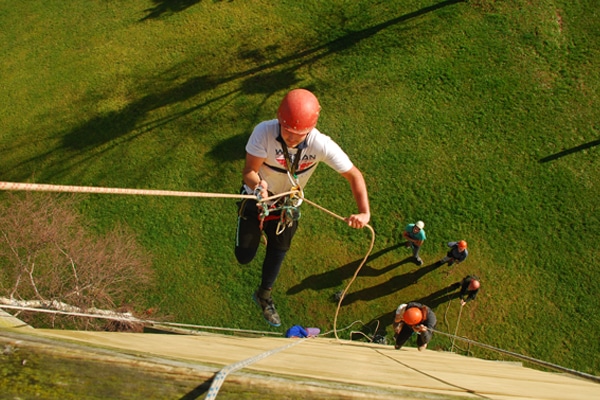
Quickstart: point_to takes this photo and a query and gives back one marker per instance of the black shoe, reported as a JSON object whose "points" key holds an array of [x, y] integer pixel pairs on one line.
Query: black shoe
{"points": [[268, 309]]}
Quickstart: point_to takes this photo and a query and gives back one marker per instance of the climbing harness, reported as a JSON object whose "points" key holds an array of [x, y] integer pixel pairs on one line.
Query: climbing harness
{"points": [[287, 208]]}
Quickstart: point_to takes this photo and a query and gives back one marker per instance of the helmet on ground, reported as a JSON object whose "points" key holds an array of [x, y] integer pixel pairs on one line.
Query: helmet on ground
{"points": [[412, 316], [420, 224], [474, 284], [462, 244], [299, 111]]}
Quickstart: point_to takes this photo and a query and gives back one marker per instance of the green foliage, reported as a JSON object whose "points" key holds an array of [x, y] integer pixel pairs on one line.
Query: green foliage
{"points": [[478, 117]]}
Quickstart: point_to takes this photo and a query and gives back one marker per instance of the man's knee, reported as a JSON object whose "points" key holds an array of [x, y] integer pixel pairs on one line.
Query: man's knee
{"points": [[424, 338], [244, 255]]}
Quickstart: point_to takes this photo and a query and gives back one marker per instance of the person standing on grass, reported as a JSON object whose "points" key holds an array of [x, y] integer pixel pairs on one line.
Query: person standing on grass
{"points": [[469, 287], [281, 156], [415, 236], [458, 253], [410, 318]]}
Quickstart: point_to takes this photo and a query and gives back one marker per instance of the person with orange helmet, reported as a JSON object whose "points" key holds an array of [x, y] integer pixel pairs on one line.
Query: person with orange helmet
{"points": [[410, 318], [281, 156], [469, 287], [415, 236], [458, 253]]}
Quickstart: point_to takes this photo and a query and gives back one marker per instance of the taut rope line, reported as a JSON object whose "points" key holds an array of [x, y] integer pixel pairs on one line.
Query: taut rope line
{"points": [[522, 357], [39, 187]]}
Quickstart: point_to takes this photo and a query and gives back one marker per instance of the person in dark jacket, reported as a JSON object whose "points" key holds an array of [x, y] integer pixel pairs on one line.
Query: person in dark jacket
{"points": [[410, 318], [469, 287], [458, 253]]}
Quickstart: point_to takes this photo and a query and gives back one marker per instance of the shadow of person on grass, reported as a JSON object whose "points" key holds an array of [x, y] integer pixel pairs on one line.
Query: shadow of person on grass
{"points": [[442, 296], [572, 150], [167, 97], [337, 276], [392, 285], [163, 8]]}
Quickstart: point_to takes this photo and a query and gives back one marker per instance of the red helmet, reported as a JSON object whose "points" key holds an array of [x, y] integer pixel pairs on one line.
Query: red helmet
{"points": [[462, 244], [412, 316], [474, 284], [299, 111]]}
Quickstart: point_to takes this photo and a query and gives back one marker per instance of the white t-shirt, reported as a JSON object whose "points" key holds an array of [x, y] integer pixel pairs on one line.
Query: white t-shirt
{"points": [[263, 143]]}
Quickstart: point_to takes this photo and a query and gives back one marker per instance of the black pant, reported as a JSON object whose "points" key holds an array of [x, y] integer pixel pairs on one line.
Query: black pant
{"points": [[407, 331], [248, 237]]}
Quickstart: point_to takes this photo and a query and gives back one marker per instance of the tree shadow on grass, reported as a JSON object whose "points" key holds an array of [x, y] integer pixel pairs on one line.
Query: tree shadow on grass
{"points": [[121, 124], [267, 78], [272, 75], [111, 125], [231, 149], [337, 276]]}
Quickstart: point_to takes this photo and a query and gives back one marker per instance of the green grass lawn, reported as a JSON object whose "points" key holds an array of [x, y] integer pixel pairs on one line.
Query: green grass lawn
{"points": [[479, 117]]}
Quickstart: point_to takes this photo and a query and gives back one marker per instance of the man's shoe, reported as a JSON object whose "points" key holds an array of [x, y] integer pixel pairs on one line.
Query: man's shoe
{"points": [[419, 261], [445, 259], [421, 348], [268, 309]]}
